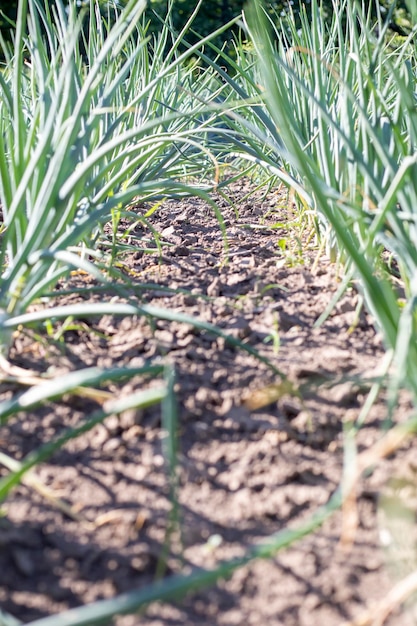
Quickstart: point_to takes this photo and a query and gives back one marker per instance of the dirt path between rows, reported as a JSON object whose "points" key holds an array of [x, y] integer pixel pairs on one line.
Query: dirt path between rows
{"points": [[252, 461]]}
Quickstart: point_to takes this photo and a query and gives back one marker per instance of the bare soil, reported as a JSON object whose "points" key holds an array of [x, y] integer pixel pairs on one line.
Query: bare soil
{"points": [[253, 459]]}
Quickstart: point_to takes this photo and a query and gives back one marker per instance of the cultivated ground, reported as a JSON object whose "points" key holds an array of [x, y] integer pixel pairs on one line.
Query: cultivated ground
{"points": [[253, 460]]}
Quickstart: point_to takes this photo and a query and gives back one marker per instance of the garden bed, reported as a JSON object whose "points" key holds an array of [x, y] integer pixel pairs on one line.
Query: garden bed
{"points": [[252, 459]]}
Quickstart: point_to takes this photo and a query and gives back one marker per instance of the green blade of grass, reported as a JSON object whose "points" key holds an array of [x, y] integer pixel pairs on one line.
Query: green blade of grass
{"points": [[176, 587], [57, 387], [99, 309], [140, 399]]}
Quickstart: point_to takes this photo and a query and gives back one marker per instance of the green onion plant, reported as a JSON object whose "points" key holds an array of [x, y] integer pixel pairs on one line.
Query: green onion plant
{"points": [[93, 116], [342, 131]]}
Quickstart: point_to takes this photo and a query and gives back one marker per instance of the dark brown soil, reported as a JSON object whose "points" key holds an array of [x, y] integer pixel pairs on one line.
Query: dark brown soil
{"points": [[253, 460]]}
